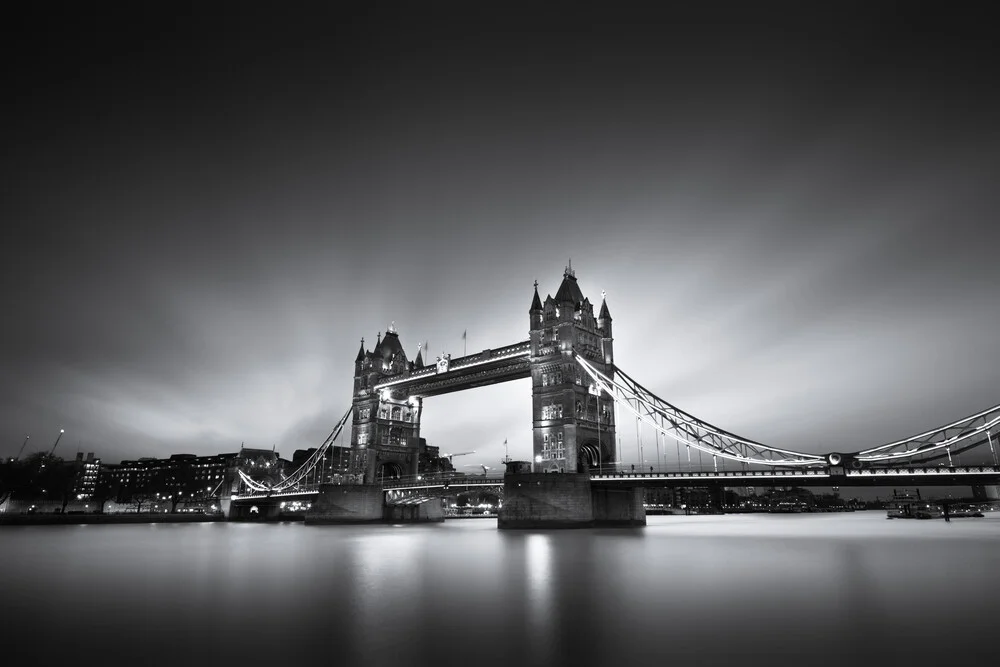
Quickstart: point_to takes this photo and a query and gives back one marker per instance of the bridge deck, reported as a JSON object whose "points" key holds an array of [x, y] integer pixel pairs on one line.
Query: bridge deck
{"points": [[938, 475]]}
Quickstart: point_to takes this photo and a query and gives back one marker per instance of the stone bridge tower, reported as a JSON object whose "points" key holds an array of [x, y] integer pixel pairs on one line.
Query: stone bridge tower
{"points": [[385, 430], [574, 427]]}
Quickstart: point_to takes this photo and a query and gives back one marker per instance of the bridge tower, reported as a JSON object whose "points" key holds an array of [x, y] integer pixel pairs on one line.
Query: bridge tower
{"points": [[385, 431], [574, 427]]}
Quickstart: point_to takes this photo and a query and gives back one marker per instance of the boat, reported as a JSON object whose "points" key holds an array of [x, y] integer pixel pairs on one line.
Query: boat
{"points": [[914, 509], [906, 506], [964, 512]]}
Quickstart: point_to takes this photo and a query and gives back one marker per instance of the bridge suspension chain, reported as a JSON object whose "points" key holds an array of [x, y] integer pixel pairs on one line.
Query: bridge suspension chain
{"points": [[944, 437], [306, 468], [689, 430], [693, 432]]}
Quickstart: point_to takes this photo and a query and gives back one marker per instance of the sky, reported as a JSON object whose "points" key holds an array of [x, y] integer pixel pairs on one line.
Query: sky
{"points": [[206, 208]]}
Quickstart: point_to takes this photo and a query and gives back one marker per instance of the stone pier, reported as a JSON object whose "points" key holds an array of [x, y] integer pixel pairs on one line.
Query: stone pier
{"points": [[427, 512], [986, 492], [263, 509], [546, 500], [619, 507], [347, 503], [565, 500]]}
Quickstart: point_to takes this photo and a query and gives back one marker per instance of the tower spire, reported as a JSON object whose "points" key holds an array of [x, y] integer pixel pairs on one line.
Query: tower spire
{"points": [[536, 303], [605, 313]]}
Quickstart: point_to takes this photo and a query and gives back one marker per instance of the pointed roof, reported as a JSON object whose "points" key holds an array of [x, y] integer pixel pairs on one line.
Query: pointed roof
{"points": [[390, 346], [378, 344], [361, 352], [536, 303], [419, 361], [569, 291], [605, 313]]}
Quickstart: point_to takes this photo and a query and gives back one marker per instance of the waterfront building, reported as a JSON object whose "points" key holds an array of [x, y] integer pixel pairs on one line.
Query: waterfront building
{"points": [[335, 462], [85, 474], [175, 479]]}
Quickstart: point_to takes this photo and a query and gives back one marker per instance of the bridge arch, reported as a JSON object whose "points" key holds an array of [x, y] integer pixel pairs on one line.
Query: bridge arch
{"points": [[593, 453], [388, 470]]}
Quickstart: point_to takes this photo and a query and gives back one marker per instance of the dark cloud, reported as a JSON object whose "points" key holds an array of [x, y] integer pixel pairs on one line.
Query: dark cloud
{"points": [[205, 210]]}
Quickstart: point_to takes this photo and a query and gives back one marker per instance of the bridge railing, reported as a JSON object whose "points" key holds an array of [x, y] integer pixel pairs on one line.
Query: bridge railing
{"points": [[896, 471], [459, 363], [695, 474], [415, 482]]}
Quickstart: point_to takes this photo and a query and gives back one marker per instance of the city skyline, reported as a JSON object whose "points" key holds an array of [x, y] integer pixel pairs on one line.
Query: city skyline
{"points": [[210, 212]]}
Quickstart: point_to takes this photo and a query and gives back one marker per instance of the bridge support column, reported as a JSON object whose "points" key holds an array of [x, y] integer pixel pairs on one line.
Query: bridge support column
{"points": [[543, 500], [264, 509], [347, 503], [619, 507], [428, 512], [986, 492], [718, 495], [565, 500]]}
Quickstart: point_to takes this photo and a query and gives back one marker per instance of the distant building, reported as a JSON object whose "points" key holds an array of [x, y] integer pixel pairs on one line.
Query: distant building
{"points": [[85, 474], [180, 477], [336, 461]]}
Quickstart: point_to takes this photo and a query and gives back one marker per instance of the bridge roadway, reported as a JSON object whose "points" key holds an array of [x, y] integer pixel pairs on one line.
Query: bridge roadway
{"points": [[905, 476], [910, 475]]}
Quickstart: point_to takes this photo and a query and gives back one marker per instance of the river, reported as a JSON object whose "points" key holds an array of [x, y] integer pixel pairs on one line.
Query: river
{"points": [[838, 589]]}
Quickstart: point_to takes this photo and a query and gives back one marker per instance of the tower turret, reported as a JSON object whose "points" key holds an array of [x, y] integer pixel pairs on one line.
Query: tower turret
{"points": [[535, 312], [604, 325]]}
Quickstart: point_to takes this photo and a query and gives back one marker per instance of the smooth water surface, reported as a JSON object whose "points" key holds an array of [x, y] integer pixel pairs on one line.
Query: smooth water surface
{"points": [[837, 589]]}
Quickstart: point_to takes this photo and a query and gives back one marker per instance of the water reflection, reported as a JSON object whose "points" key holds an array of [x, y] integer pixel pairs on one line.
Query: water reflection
{"points": [[741, 590], [540, 631]]}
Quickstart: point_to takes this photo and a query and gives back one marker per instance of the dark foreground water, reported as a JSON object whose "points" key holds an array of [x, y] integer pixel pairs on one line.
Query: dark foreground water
{"points": [[846, 589]]}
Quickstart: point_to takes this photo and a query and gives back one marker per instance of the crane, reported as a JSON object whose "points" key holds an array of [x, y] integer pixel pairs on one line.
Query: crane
{"points": [[451, 456], [22, 447], [51, 451]]}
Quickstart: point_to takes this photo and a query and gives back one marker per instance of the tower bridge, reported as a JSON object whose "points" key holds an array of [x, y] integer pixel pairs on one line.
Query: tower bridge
{"points": [[575, 477]]}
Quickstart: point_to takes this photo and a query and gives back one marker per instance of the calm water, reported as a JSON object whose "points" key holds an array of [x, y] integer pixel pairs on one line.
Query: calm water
{"points": [[735, 590]]}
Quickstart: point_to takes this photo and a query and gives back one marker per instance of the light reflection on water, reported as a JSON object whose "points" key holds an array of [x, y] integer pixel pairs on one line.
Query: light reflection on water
{"points": [[741, 590]]}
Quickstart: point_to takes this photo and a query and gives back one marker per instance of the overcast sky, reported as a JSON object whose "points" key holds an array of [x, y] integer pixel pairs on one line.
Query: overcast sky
{"points": [[794, 218]]}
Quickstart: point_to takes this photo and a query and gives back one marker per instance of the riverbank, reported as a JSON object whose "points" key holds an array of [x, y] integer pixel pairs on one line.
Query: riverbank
{"points": [[73, 519]]}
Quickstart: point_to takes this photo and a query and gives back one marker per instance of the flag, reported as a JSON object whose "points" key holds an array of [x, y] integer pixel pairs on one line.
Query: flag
{"points": [[505, 441], [464, 333]]}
